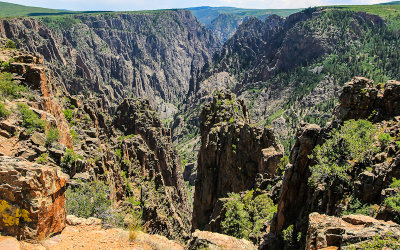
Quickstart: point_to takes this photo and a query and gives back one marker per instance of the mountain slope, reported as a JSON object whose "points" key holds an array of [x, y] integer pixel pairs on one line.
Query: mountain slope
{"points": [[224, 21], [291, 71], [152, 54], [10, 9]]}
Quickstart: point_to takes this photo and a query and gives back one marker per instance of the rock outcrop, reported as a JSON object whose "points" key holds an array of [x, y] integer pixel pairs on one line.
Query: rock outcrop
{"points": [[153, 168], [152, 55], [209, 240], [348, 232], [362, 99], [32, 199], [370, 178], [232, 155], [294, 192]]}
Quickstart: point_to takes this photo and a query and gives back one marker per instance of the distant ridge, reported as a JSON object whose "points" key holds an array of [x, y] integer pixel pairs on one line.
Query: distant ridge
{"points": [[207, 14], [10, 9], [391, 3]]}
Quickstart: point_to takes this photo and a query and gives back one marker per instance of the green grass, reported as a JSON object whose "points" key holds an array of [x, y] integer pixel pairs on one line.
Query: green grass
{"points": [[10, 10], [207, 14], [391, 13]]}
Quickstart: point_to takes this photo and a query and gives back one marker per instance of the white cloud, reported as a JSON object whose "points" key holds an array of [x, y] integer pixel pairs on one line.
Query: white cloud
{"points": [[165, 4]]}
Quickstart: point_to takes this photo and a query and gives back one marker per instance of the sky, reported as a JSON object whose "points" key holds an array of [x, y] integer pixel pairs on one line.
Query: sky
{"points": [[118, 5]]}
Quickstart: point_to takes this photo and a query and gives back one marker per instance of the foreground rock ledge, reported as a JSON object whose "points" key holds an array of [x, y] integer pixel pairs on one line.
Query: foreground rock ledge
{"points": [[32, 199], [209, 240], [329, 231]]}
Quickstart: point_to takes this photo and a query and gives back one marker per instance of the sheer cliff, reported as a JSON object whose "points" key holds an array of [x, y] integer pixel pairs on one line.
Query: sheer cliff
{"points": [[116, 55], [290, 70]]}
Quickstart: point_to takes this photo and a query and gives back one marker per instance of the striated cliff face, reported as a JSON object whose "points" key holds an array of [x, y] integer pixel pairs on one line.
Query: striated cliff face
{"points": [[233, 155], [369, 178], [291, 70], [152, 55], [153, 168], [130, 150]]}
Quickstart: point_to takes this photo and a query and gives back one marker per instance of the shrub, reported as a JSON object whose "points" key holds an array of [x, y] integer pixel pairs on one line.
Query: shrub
{"points": [[350, 143], [30, 119], [380, 242], [385, 138], [287, 235], [88, 200], [237, 219], [355, 206], [9, 88], [393, 202], [69, 159], [247, 215], [10, 45], [52, 135], [4, 112], [68, 113], [74, 136], [42, 159]]}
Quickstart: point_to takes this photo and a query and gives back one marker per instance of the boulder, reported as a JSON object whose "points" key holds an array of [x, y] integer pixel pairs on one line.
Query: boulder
{"points": [[209, 240], [9, 243], [32, 199], [329, 231]]}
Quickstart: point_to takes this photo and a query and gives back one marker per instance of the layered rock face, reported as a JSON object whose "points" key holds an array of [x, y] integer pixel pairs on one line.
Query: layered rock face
{"points": [[341, 233], [360, 99], [153, 166], [153, 55], [32, 199], [233, 155], [295, 189]]}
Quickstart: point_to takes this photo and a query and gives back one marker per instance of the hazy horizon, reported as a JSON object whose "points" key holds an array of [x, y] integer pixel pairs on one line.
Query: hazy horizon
{"points": [[126, 5]]}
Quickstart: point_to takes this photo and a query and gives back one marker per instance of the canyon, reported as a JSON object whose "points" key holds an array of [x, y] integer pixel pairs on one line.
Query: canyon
{"points": [[261, 136]]}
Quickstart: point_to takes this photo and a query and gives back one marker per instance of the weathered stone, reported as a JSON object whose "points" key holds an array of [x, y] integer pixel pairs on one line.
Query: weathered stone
{"points": [[233, 153], [328, 231], [150, 161], [38, 138], [209, 240], [361, 99], [9, 243], [32, 199], [74, 221]]}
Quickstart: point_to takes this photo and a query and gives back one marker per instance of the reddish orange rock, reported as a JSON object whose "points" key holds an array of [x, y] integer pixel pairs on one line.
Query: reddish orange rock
{"points": [[32, 199]]}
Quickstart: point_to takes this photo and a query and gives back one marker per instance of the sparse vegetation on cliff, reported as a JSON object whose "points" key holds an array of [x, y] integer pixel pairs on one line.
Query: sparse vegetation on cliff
{"points": [[350, 144], [246, 214]]}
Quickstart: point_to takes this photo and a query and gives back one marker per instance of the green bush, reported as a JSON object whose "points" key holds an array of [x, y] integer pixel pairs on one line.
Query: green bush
{"points": [[393, 202], [74, 136], [52, 135], [9, 88], [30, 119], [10, 45], [42, 159], [288, 235], [4, 112], [380, 242], [355, 206], [88, 200], [247, 215], [385, 138], [237, 219], [353, 142], [69, 159], [68, 113]]}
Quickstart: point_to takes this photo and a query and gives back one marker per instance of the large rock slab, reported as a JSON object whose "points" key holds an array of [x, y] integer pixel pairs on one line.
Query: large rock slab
{"points": [[32, 199], [329, 231], [209, 240]]}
